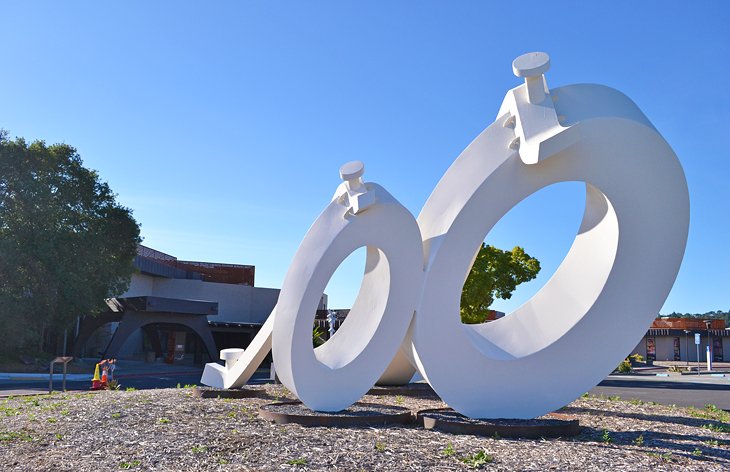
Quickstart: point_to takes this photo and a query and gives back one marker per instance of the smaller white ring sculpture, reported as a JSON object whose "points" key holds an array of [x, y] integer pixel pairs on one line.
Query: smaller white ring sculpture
{"points": [[338, 373]]}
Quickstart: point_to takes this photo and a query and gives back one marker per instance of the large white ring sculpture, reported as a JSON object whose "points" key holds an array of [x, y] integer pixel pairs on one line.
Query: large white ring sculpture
{"points": [[553, 348], [603, 296]]}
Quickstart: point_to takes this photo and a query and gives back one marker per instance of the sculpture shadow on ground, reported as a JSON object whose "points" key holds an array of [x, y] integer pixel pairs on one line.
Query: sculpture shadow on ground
{"points": [[680, 420], [651, 441]]}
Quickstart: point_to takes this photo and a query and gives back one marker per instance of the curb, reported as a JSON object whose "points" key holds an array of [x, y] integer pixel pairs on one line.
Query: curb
{"points": [[56, 376], [80, 377], [158, 374]]}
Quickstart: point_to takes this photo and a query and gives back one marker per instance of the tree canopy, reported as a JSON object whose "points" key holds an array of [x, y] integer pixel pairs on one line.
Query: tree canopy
{"points": [[65, 243], [709, 315], [495, 274]]}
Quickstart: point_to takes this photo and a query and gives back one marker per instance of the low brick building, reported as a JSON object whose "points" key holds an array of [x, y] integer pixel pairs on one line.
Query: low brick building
{"points": [[176, 309], [673, 339]]}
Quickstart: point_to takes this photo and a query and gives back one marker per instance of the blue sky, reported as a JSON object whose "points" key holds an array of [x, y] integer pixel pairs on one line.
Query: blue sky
{"points": [[223, 124]]}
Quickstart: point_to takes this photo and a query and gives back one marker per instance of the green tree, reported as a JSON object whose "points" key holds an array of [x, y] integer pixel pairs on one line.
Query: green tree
{"points": [[65, 243], [495, 274], [717, 314]]}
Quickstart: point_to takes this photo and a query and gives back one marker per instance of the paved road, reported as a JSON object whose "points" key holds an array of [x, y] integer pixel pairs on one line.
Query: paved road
{"points": [[676, 390], [682, 390], [141, 381]]}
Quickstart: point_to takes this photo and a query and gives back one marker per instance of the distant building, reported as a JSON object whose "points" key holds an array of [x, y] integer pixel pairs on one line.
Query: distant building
{"points": [[320, 320], [178, 310], [673, 339]]}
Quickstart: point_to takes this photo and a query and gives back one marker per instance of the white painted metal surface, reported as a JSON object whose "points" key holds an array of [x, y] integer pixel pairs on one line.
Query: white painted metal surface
{"points": [[556, 346], [605, 293], [336, 374], [236, 375]]}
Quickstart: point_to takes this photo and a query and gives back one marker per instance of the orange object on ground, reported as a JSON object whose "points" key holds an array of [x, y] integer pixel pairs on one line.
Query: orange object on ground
{"points": [[96, 381]]}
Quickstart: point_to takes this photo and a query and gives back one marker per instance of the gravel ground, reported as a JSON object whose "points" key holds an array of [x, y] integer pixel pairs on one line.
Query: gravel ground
{"points": [[172, 430]]}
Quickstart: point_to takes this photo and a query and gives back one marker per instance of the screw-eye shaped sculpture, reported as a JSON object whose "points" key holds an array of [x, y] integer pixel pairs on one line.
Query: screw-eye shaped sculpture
{"points": [[553, 348]]}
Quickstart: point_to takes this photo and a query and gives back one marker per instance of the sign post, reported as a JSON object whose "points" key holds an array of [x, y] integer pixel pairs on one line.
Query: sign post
{"points": [[58, 360]]}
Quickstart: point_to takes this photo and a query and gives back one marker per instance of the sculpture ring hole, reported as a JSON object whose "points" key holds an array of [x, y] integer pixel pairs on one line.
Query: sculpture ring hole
{"points": [[364, 317], [533, 225], [549, 314]]}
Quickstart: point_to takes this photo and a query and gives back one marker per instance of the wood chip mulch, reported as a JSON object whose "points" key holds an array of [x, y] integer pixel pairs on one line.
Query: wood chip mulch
{"points": [[172, 430]]}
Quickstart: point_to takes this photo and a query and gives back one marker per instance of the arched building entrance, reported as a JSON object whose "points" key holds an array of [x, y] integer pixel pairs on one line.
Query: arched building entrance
{"points": [[165, 322]]}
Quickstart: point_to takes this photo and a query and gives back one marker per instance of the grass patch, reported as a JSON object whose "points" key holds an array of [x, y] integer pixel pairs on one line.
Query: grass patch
{"points": [[9, 410], [299, 461], [712, 442], [129, 465], [717, 428], [666, 457], [478, 459], [710, 412], [13, 435], [448, 451]]}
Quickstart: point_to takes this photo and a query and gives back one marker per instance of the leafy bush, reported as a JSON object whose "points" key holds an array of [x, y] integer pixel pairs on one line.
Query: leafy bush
{"points": [[318, 336], [636, 358], [477, 460], [624, 367]]}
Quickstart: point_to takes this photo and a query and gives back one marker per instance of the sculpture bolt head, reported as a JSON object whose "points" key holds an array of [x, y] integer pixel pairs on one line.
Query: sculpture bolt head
{"points": [[351, 172], [532, 66]]}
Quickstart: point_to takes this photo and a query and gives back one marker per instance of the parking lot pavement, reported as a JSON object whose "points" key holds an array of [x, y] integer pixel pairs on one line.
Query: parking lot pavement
{"points": [[680, 390], [665, 388], [129, 374]]}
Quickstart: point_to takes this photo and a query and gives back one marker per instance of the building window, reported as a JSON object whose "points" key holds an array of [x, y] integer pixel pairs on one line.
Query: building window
{"points": [[650, 349], [677, 353], [717, 349]]}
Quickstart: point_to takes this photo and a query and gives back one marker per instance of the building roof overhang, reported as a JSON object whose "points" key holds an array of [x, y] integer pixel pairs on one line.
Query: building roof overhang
{"points": [[162, 305]]}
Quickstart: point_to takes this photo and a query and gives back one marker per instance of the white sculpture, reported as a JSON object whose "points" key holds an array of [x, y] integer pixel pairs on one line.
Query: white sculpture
{"points": [[239, 370], [553, 348], [339, 372]]}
